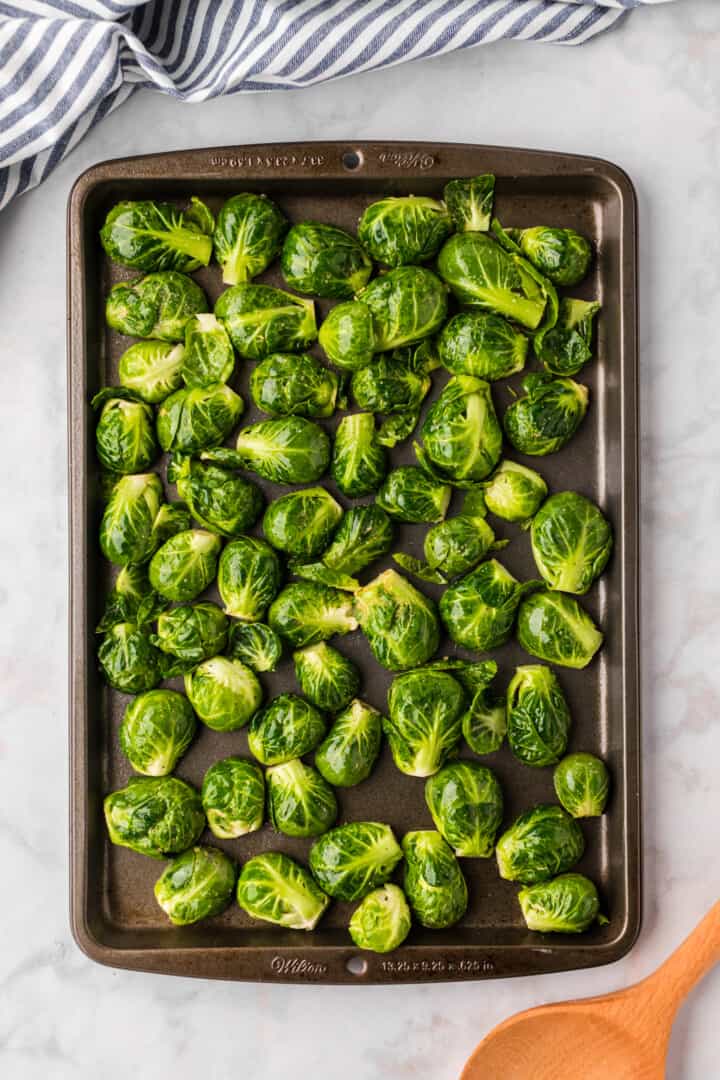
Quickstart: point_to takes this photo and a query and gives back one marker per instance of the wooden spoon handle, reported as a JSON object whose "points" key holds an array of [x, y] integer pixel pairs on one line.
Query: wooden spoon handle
{"points": [[687, 965]]}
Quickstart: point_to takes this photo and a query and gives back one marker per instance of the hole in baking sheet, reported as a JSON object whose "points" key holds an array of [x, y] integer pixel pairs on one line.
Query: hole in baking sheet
{"points": [[357, 965], [351, 159]]}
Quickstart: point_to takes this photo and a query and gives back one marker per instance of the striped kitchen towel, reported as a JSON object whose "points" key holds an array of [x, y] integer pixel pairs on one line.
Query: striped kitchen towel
{"points": [[65, 64]]}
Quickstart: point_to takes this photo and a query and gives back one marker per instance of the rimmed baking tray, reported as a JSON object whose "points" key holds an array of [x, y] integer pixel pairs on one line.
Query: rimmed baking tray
{"points": [[114, 916]]}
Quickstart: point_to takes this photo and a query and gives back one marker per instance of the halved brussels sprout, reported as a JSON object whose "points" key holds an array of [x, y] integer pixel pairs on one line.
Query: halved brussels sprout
{"points": [[548, 415], [302, 522], [155, 816], [129, 660], [364, 534], [233, 797], [192, 633], [209, 356], [285, 729], [538, 717], [125, 433], [465, 801], [219, 500], [359, 461], [153, 369], [399, 622], [156, 730], [262, 320], [399, 231], [294, 384], [407, 305], [566, 347], [292, 450], [571, 542], [224, 693], [300, 801], [555, 628], [409, 493], [582, 785], [461, 433], [155, 306], [126, 531], [172, 518], [324, 260], [132, 599], [484, 725], [568, 905], [256, 645], [276, 889], [479, 609], [470, 202], [351, 860], [185, 564], [196, 885], [348, 753], [395, 382], [541, 843], [158, 236], [197, 418], [514, 492], [249, 575], [433, 882], [307, 612], [482, 344], [326, 677], [562, 255], [347, 335], [455, 545], [248, 235], [381, 922], [424, 723]]}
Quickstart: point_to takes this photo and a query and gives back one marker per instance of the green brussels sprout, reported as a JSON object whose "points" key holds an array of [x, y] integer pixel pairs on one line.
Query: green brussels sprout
{"points": [[571, 542], [484, 725], [158, 236], [365, 533], [412, 494], [285, 729], [347, 336], [434, 884], [233, 797], [562, 255], [326, 677], [185, 564], [208, 358], [126, 530], [470, 202], [455, 545], [407, 305], [483, 345], [568, 905], [479, 610], [125, 434], [172, 518], [351, 860], [514, 492], [152, 369], [582, 784], [348, 753], [224, 693], [395, 382], [294, 384], [381, 922], [256, 645], [276, 889], [262, 320], [465, 801], [566, 347], [397, 428], [155, 306], [192, 632], [541, 843], [302, 522], [249, 575], [399, 622], [461, 433], [248, 235], [300, 801], [399, 231], [196, 418], [555, 628], [538, 717], [154, 815], [307, 612], [424, 725], [219, 500], [196, 885], [292, 450], [473, 675], [359, 461], [324, 260], [548, 415], [132, 599], [129, 660], [156, 730]]}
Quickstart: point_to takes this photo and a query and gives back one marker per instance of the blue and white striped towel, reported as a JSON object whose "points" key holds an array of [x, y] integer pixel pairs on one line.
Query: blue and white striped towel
{"points": [[65, 64]]}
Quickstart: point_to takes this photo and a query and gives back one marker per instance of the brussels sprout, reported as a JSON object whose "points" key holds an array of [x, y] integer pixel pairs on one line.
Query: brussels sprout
{"points": [[566, 347], [302, 522], [381, 922], [126, 530], [479, 609], [291, 384], [248, 235], [465, 801], [300, 801], [192, 633], [351, 860], [582, 784], [364, 534], [541, 843], [482, 344], [326, 677], [324, 260], [555, 628], [454, 546], [152, 369], [484, 725], [256, 645], [395, 382], [157, 728], [461, 433], [196, 418], [155, 816], [407, 305], [285, 729], [411, 494], [397, 428], [348, 753], [276, 889], [262, 320], [307, 612], [125, 434], [568, 905], [538, 717], [155, 306], [249, 575], [218, 499], [473, 675], [433, 882], [288, 451], [514, 492], [172, 518], [185, 564], [423, 728], [470, 202], [158, 236], [132, 599], [196, 885], [399, 622], [405, 230], [562, 255], [359, 461], [548, 416], [208, 358], [347, 336], [224, 693], [571, 542], [233, 797], [129, 660]]}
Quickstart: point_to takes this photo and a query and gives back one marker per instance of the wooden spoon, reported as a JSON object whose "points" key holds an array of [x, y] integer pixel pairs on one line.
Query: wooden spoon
{"points": [[622, 1036]]}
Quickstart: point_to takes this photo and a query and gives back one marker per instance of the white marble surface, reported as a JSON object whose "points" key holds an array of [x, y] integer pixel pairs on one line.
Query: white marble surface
{"points": [[646, 96]]}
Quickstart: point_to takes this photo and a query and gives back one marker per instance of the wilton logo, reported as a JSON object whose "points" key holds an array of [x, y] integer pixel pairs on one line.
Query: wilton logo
{"points": [[406, 159], [281, 965]]}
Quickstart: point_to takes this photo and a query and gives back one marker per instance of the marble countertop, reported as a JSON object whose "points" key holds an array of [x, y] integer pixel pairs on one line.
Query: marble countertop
{"points": [[646, 96]]}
